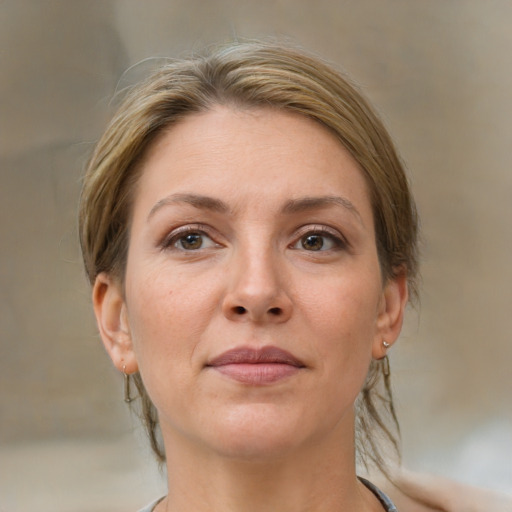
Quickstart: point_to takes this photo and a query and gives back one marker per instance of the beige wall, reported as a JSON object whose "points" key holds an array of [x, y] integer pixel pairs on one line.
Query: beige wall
{"points": [[439, 70]]}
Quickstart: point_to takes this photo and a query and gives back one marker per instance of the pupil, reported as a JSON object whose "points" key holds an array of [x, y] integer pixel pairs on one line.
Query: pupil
{"points": [[313, 242], [192, 241]]}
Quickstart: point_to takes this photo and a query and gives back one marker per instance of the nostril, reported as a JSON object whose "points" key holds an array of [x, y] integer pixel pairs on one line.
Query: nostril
{"points": [[239, 310], [275, 311]]}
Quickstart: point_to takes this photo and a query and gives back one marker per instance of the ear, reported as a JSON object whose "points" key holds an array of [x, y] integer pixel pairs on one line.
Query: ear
{"points": [[112, 319], [391, 314]]}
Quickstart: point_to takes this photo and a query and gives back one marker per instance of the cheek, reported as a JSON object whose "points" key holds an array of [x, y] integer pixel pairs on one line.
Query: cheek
{"points": [[347, 305], [167, 313], [344, 314]]}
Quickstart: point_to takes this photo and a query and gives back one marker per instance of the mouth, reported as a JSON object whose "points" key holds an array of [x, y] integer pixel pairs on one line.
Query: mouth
{"points": [[261, 366]]}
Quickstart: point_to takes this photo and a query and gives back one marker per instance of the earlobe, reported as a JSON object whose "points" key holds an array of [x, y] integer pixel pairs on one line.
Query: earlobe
{"points": [[112, 320], [391, 314]]}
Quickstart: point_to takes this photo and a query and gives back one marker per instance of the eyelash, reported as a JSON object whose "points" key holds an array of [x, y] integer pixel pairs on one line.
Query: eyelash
{"points": [[170, 241], [338, 241]]}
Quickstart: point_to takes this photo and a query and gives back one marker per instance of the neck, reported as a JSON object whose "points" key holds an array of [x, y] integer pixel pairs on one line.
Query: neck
{"points": [[318, 476]]}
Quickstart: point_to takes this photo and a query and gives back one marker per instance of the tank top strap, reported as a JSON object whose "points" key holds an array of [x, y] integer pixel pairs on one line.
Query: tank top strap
{"points": [[382, 497]]}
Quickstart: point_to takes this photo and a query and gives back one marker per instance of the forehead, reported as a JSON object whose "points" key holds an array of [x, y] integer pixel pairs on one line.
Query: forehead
{"points": [[250, 153]]}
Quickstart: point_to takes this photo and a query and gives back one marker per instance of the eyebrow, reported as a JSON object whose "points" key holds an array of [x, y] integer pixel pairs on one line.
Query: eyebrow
{"points": [[197, 201], [315, 203], [302, 204]]}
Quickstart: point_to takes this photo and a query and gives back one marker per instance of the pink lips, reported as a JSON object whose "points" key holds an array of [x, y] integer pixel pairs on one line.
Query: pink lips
{"points": [[256, 366]]}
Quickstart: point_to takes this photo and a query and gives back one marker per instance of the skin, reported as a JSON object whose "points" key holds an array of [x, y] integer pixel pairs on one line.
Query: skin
{"points": [[422, 492], [240, 269]]}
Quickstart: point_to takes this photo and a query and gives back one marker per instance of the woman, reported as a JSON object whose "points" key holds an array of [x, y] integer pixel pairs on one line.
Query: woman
{"points": [[250, 236]]}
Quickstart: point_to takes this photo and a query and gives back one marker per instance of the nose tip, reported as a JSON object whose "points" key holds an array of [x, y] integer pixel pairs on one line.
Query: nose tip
{"points": [[257, 301]]}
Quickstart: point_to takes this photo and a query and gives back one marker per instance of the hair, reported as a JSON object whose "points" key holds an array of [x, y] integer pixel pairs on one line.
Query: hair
{"points": [[254, 75]]}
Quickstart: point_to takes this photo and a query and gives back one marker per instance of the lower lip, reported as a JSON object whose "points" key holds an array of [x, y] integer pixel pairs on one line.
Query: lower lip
{"points": [[257, 374]]}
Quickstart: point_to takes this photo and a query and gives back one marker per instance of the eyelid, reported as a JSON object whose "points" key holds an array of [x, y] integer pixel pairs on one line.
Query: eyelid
{"points": [[174, 235], [320, 229]]}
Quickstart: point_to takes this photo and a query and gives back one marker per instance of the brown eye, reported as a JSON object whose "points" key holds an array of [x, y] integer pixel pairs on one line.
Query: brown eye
{"points": [[190, 242], [312, 242], [187, 239], [319, 240], [193, 241]]}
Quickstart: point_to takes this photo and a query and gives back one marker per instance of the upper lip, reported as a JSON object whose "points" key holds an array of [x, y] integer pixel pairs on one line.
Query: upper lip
{"points": [[249, 355]]}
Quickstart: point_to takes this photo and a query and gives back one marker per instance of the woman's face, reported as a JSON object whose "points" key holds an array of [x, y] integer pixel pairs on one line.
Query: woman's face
{"points": [[253, 300]]}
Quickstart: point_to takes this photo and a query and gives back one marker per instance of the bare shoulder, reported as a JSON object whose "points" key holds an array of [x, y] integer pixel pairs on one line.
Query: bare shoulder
{"points": [[418, 492], [405, 502]]}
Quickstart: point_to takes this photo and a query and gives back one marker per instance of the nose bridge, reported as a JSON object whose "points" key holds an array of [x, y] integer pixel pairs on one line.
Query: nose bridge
{"points": [[257, 273], [256, 290]]}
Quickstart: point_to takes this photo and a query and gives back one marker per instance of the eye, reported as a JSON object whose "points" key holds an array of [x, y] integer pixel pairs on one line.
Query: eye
{"points": [[189, 240], [313, 242], [319, 240]]}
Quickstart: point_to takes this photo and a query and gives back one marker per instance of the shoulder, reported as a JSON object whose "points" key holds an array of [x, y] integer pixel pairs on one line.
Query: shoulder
{"points": [[416, 492], [411, 493]]}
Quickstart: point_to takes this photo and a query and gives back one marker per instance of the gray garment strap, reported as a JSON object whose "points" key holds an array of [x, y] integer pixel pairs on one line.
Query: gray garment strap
{"points": [[151, 506], [383, 498]]}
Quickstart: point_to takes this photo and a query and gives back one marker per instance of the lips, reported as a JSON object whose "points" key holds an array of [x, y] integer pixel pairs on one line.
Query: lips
{"points": [[261, 366]]}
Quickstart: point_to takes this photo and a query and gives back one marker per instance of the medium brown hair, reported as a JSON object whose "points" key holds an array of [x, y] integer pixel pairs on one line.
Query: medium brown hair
{"points": [[254, 74]]}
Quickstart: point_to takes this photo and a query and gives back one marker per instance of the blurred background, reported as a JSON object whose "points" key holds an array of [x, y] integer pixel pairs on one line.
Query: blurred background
{"points": [[438, 70]]}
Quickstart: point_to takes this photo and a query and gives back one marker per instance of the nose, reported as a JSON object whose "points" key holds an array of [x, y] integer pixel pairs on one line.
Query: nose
{"points": [[255, 292]]}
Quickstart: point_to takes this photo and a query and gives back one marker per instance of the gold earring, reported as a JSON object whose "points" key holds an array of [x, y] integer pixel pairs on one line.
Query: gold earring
{"points": [[127, 393], [386, 370]]}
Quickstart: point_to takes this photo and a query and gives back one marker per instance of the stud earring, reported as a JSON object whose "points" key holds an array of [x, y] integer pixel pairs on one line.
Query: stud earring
{"points": [[386, 344], [127, 392]]}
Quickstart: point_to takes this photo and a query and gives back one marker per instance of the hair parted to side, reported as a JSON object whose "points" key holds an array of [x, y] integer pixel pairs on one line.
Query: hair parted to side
{"points": [[253, 75]]}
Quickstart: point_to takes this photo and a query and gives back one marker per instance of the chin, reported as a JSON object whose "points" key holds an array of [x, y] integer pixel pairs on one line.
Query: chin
{"points": [[259, 432]]}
